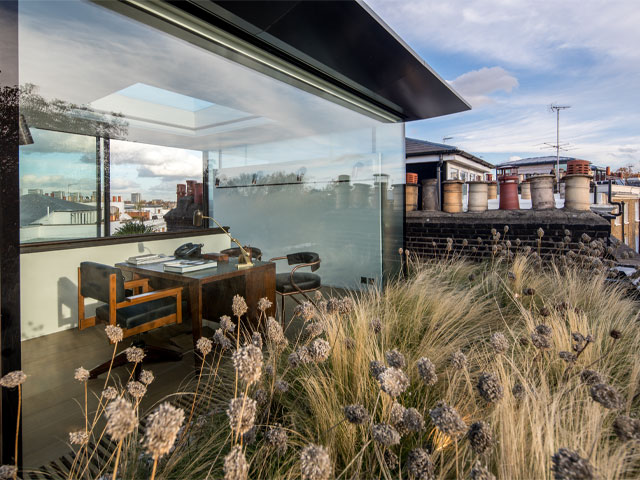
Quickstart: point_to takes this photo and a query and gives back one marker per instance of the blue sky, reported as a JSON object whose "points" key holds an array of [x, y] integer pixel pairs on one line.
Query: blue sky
{"points": [[512, 58]]}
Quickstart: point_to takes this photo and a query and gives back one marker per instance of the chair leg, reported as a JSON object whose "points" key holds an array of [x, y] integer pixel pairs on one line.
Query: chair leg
{"points": [[152, 354], [282, 317], [118, 361]]}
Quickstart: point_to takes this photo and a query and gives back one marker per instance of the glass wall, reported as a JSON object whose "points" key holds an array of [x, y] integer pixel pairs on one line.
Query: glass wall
{"points": [[154, 126]]}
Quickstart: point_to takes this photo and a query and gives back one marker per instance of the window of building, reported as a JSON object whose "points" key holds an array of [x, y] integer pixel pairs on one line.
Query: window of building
{"points": [[626, 212], [453, 173]]}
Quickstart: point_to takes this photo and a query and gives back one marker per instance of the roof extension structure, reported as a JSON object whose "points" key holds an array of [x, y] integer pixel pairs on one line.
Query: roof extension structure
{"points": [[33, 207], [343, 42], [536, 161], [416, 148]]}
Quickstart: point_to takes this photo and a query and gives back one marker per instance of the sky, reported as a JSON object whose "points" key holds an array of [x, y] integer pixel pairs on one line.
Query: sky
{"points": [[512, 59]]}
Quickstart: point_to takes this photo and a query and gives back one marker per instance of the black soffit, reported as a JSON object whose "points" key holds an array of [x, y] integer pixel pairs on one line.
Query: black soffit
{"points": [[341, 41]]}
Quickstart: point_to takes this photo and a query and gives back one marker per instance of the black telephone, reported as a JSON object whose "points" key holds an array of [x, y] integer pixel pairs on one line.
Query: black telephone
{"points": [[189, 250]]}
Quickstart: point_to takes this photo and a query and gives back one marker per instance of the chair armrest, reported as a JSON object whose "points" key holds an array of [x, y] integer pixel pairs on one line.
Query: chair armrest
{"points": [[140, 282], [147, 297], [277, 258], [296, 268]]}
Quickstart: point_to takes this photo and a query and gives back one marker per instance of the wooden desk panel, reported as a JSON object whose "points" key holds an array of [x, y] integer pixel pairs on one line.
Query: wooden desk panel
{"points": [[212, 290]]}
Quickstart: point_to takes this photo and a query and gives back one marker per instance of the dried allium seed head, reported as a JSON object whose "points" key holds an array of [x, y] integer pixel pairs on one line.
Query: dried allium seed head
{"points": [[247, 361], [524, 341], [489, 387], [163, 426], [511, 276], [465, 242], [264, 304], [239, 306], [585, 238], [8, 472], [249, 437], [400, 251], [494, 232], [499, 342], [627, 428], [527, 250], [275, 335], [568, 357], [282, 386], [419, 464], [261, 397], [397, 414], [412, 420], [497, 236], [393, 381], [146, 377], [529, 291], [256, 340], [606, 395], [544, 311], [235, 465], [81, 374], [349, 343], [480, 437], [136, 389], [121, 419], [13, 379], [506, 228], [333, 305], [615, 334], [395, 359], [568, 465], [376, 368], [306, 311], [540, 232], [242, 414], [276, 437], [385, 434], [315, 463], [591, 377], [109, 393], [567, 240], [540, 341], [427, 371], [314, 329], [319, 350], [204, 346], [518, 391], [479, 472], [114, 333], [219, 339], [390, 459], [376, 325], [347, 305], [226, 324], [134, 354], [80, 437], [447, 420], [508, 243], [579, 340], [458, 360], [543, 329], [356, 414], [472, 276]]}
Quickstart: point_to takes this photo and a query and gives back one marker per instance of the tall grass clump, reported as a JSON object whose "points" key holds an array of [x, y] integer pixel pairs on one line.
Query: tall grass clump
{"points": [[509, 368]]}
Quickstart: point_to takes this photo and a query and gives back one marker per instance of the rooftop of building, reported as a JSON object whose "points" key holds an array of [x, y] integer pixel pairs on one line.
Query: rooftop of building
{"points": [[415, 147], [33, 207]]}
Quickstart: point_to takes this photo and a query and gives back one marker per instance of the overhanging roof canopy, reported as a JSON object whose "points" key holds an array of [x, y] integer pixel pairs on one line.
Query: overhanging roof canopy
{"points": [[341, 41]]}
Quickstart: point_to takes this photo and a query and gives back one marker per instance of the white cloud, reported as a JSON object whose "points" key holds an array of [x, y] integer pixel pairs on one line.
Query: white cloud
{"points": [[513, 158], [476, 85]]}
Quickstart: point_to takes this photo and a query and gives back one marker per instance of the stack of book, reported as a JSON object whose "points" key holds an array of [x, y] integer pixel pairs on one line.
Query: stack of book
{"points": [[184, 266], [149, 258]]}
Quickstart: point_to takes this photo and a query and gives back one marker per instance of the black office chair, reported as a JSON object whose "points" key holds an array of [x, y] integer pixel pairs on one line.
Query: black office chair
{"points": [[298, 283], [145, 310]]}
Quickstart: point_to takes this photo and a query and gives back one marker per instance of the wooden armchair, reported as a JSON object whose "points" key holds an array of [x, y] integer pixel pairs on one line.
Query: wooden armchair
{"points": [[145, 310]]}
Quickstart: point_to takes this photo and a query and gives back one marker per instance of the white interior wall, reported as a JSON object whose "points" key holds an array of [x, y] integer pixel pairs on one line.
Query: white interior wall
{"points": [[49, 280]]}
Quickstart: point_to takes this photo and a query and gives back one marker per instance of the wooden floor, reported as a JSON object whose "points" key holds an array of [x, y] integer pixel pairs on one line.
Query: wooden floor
{"points": [[53, 401]]}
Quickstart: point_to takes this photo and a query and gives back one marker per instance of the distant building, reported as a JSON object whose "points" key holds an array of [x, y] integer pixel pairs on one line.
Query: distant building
{"points": [[49, 218], [35, 191], [136, 198], [425, 158], [546, 165], [58, 194], [625, 227]]}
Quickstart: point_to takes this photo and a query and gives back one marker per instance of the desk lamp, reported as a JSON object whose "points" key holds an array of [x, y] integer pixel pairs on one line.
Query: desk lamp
{"points": [[244, 260]]}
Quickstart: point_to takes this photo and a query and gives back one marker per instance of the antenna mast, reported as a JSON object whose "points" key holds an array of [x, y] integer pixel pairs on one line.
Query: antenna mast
{"points": [[557, 109]]}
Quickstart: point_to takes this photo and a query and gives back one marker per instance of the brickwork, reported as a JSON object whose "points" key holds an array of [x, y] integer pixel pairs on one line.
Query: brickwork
{"points": [[426, 233], [632, 228]]}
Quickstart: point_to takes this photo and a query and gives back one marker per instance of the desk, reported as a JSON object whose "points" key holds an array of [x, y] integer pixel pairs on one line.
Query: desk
{"points": [[221, 283]]}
